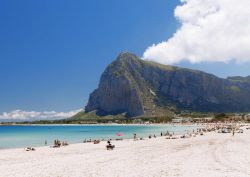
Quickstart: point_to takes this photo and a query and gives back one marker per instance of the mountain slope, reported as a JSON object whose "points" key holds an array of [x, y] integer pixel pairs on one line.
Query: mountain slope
{"points": [[137, 87]]}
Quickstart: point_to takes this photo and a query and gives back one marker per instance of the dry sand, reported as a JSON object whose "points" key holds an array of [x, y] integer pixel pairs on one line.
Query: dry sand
{"points": [[211, 155]]}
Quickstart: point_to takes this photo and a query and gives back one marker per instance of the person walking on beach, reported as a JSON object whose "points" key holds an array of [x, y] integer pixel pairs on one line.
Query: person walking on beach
{"points": [[233, 132]]}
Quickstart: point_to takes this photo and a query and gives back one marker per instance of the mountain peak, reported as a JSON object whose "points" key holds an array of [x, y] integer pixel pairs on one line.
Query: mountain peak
{"points": [[125, 56]]}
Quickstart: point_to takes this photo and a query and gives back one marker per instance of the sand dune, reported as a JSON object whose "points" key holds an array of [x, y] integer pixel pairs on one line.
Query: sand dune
{"points": [[211, 155]]}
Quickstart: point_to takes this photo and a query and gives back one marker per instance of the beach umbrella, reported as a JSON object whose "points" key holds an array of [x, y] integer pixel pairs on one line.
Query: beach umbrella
{"points": [[119, 134]]}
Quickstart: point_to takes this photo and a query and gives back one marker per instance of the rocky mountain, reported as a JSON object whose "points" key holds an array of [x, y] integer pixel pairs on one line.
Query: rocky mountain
{"points": [[136, 87]]}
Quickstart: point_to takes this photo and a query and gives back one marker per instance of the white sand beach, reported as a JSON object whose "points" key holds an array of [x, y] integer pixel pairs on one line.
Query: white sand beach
{"points": [[211, 155]]}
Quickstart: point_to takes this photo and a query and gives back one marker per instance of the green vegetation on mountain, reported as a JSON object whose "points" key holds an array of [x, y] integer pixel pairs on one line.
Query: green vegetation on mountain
{"points": [[239, 79]]}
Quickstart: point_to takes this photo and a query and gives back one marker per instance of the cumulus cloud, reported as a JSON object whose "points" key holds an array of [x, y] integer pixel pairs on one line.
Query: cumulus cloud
{"points": [[20, 115], [210, 31]]}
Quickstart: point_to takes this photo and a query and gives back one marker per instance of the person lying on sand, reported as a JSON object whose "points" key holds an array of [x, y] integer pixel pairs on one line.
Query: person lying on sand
{"points": [[96, 141], [65, 143], [30, 149], [89, 141]]}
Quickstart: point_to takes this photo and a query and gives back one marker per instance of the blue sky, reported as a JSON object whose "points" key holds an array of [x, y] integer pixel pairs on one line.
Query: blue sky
{"points": [[52, 53]]}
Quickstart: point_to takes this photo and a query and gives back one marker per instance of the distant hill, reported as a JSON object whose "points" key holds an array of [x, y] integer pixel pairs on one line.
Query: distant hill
{"points": [[136, 87], [239, 79]]}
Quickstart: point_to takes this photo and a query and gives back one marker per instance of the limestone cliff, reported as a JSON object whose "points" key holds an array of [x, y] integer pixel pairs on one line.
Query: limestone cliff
{"points": [[137, 87]]}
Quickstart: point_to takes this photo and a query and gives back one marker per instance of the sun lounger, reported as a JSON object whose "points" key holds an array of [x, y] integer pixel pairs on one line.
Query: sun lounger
{"points": [[55, 146], [174, 137], [119, 139], [185, 136], [110, 147]]}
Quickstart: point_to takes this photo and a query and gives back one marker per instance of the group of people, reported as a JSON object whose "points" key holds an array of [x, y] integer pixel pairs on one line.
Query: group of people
{"points": [[58, 143], [96, 141]]}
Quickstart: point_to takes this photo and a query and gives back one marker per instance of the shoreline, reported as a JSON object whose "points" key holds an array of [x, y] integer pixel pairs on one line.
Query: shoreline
{"points": [[129, 135], [110, 124], [101, 138], [213, 154], [177, 133]]}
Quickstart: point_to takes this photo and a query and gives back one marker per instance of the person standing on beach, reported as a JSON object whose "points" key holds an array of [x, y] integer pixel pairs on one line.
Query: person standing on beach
{"points": [[134, 136]]}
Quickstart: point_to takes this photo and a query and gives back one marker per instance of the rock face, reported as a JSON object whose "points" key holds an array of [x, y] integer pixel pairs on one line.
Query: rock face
{"points": [[137, 87]]}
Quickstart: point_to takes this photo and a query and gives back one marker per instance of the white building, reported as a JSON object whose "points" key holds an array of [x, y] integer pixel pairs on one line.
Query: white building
{"points": [[247, 117], [182, 120]]}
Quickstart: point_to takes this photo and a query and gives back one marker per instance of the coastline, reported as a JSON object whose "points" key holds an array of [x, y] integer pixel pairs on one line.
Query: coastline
{"points": [[36, 135], [108, 124], [212, 154]]}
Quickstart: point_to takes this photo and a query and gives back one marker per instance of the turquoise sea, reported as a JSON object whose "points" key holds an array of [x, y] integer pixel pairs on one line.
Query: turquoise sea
{"points": [[36, 135]]}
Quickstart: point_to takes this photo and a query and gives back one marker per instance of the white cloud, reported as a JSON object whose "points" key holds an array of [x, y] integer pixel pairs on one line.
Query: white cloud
{"points": [[20, 115], [211, 31]]}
